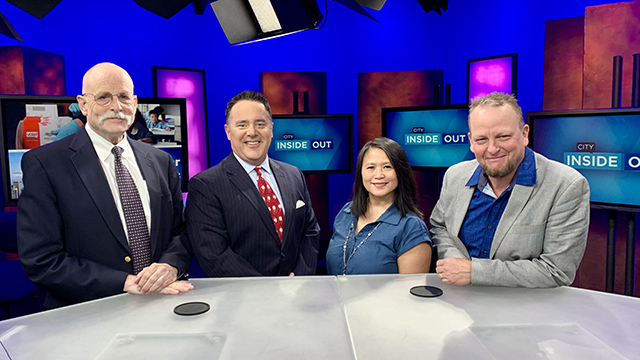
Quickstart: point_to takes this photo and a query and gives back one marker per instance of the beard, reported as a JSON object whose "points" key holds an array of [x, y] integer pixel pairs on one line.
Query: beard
{"points": [[507, 169]]}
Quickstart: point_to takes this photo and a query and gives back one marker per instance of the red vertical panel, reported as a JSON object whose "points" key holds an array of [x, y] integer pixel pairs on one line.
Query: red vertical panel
{"points": [[25, 70], [563, 64], [279, 86], [11, 70], [610, 30]]}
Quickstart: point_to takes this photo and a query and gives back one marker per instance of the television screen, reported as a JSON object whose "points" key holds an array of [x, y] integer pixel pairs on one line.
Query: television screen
{"points": [[314, 143], [169, 130], [27, 122], [433, 137], [602, 144], [494, 73]]}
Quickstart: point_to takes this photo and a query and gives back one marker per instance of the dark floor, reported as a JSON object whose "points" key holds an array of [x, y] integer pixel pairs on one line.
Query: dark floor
{"points": [[30, 306]]}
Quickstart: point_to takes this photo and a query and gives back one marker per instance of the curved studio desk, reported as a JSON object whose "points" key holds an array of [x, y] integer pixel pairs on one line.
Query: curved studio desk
{"points": [[326, 317]]}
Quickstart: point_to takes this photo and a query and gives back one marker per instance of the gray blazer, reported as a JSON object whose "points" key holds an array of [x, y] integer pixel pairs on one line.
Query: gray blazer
{"points": [[542, 234]]}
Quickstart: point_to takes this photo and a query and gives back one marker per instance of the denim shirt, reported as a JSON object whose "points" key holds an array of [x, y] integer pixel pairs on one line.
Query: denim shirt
{"points": [[392, 237]]}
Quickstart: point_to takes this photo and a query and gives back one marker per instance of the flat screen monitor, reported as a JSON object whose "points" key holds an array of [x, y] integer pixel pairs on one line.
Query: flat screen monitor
{"points": [[603, 145], [433, 137], [314, 143], [493, 73], [27, 122], [171, 137]]}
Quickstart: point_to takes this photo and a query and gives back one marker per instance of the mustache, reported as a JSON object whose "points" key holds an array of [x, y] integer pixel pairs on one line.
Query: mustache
{"points": [[114, 115]]}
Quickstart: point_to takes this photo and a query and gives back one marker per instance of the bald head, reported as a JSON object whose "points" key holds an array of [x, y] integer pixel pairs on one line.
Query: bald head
{"points": [[108, 101], [102, 72]]}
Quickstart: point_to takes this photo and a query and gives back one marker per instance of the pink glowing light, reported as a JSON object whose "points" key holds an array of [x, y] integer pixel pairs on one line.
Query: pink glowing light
{"points": [[188, 84]]}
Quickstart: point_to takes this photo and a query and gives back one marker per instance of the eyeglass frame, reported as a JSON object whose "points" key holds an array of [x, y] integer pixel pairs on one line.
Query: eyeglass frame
{"points": [[133, 98]]}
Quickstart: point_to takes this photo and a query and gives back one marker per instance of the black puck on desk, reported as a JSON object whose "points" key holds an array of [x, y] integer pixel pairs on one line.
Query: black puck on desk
{"points": [[191, 308], [426, 291]]}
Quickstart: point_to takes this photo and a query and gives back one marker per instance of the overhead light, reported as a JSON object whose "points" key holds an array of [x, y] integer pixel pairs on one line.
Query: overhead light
{"points": [[434, 5], [265, 16], [164, 8], [252, 20], [357, 6], [372, 4], [37, 8], [7, 29]]}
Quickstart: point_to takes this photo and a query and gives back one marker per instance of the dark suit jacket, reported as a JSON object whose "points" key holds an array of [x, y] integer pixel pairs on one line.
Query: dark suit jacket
{"points": [[231, 230], [70, 237]]}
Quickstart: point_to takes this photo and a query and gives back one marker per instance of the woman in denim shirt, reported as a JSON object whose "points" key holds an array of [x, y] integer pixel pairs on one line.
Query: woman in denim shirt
{"points": [[381, 231]]}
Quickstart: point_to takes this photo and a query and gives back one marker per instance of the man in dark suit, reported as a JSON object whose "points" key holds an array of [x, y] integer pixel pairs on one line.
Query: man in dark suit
{"points": [[95, 219], [251, 215]]}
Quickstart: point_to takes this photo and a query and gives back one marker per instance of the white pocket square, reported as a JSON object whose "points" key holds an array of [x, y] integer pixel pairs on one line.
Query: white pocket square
{"points": [[299, 204]]}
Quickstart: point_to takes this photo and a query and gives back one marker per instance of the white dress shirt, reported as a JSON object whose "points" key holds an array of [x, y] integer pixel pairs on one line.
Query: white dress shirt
{"points": [[107, 160], [267, 174]]}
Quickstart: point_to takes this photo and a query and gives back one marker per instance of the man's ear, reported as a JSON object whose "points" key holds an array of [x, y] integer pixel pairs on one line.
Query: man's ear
{"points": [[82, 103], [226, 130]]}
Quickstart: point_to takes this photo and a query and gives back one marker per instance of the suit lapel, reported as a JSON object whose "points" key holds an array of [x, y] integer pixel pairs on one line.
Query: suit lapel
{"points": [[153, 185], [462, 201], [519, 197], [240, 179], [288, 198], [86, 162]]}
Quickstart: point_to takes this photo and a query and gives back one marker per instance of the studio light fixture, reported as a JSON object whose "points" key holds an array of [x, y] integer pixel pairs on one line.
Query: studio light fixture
{"points": [[251, 20], [7, 29], [37, 8], [372, 4], [434, 5], [164, 8], [359, 5]]}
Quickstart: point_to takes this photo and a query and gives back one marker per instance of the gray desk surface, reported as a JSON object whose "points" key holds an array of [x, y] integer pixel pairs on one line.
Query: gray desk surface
{"points": [[325, 317]]}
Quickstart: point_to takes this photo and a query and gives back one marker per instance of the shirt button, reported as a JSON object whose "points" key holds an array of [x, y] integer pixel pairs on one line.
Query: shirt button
{"points": [[489, 226], [127, 259], [484, 251], [282, 254]]}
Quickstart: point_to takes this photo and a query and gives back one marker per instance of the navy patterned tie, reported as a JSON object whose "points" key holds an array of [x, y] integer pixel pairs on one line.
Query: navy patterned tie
{"points": [[133, 214]]}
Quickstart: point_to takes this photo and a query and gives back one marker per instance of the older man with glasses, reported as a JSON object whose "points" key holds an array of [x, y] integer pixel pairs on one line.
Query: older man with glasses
{"points": [[101, 214]]}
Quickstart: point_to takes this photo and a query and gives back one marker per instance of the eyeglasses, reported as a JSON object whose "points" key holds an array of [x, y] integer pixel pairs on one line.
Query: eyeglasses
{"points": [[105, 98]]}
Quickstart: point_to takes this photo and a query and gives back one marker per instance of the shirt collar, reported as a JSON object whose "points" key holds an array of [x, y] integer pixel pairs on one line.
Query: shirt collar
{"points": [[525, 175], [249, 168], [390, 216], [103, 146]]}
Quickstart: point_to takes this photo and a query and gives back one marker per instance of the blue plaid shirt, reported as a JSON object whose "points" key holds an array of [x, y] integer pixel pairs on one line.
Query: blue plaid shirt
{"points": [[485, 210]]}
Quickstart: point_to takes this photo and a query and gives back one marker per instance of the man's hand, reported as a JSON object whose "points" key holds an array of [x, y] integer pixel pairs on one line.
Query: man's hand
{"points": [[454, 271], [154, 279], [177, 287], [172, 289]]}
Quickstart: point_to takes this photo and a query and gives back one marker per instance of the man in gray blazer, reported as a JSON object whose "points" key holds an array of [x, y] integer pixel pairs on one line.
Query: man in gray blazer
{"points": [[511, 217]]}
